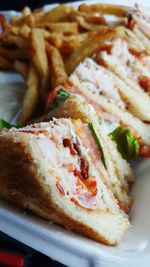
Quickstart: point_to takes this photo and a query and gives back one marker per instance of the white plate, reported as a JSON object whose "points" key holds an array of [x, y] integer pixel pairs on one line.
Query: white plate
{"points": [[67, 247]]}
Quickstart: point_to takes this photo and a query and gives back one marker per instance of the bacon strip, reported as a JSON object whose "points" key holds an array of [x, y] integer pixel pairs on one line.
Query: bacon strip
{"points": [[67, 143], [144, 82]]}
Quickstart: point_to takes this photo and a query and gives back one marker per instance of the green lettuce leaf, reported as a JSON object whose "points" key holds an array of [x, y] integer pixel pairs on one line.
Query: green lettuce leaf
{"points": [[127, 144], [5, 124], [61, 96], [96, 138]]}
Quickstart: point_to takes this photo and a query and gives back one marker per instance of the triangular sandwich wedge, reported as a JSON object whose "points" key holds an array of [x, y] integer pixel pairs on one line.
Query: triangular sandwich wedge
{"points": [[118, 171], [52, 172]]}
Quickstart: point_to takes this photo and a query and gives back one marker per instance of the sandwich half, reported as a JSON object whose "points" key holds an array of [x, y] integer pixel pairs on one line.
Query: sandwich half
{"points": [[118, 171], [89, 87], [55, 170]]}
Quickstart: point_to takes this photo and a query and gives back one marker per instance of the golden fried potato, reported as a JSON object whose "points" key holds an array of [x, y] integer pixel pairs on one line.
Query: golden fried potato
{"points": [[38, 53], [69, 47], [24, 31], [62, 27], [31, 97], [94, 19], [56, 14], [58, 73], [54, 38], [116, 10], [15, 54], [40, 61], [89, 26], [16, 40], [22, 68], [14, 30], [94, 42], [26, 11], [23, 20], [3, 23]]}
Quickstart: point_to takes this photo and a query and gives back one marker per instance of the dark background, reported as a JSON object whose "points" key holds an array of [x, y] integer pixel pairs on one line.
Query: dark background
{"points": [[19, 4]]}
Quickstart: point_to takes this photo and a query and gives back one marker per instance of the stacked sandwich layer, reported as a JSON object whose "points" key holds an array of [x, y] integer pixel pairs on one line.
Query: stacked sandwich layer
{"points": [[73, 169]]}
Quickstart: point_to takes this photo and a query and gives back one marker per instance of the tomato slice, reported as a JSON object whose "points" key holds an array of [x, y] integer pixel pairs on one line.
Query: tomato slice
{"points": [[51, 99], [124, 207], [145, 151]]}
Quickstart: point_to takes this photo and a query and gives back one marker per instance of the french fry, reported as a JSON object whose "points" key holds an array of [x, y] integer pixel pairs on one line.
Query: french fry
{"points": [[94, 42], [56, 14], [16, 40], [6, 64], [31, 97], [63, 27], [68, 47], [15, 54], [26, 11], [38, 52], [100, 20], [66, 44], [58, 75], [3, 23], [14, 30], [79, 39], [89, 26], [46, 33], [40, 60], [110, 9], [62, 42], [24, 31], [22, 68], [14, 19], [55, 39], [23, 20]]}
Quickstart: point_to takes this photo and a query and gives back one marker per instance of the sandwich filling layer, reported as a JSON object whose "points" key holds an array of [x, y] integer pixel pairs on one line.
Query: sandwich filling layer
{"points": [[129, 61], [72, 162]]}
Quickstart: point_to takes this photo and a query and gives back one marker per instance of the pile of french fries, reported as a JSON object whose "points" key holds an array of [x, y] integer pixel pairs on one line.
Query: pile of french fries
{"points": [[45, 47]]}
